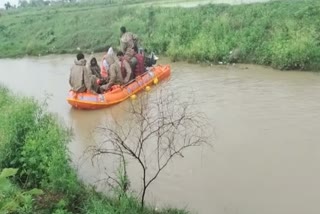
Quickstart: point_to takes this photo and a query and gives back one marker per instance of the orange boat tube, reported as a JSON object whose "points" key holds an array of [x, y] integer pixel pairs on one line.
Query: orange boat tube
{"points": [[118, 93]]}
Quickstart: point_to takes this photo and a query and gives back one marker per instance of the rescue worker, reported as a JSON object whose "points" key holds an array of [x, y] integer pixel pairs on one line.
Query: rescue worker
{"points": [[127, 39], [125, 68], [114, 72], [129, 55], [81, 79]]}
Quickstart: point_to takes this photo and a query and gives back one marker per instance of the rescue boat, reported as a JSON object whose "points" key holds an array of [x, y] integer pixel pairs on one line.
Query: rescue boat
{"points": [[119, 93]]}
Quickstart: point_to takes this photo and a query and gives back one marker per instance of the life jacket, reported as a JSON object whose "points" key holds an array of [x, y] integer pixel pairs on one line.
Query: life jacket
{"points": [[104, 72], [139, 69]]}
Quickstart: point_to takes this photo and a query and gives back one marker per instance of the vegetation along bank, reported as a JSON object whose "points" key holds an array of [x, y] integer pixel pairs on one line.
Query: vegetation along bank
{"points": [[283, 34], [35, 171]]}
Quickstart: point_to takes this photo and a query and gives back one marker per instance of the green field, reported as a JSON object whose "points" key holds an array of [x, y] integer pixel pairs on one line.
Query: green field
{"points": [[283, 34]]}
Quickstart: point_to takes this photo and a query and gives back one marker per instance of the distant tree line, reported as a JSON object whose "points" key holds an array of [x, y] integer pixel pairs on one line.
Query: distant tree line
{"points": [[38, 3], [9, 6]]}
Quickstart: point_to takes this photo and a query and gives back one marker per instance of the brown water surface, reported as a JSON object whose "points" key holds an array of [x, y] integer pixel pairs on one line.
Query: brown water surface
{"points": [[266, 152]]}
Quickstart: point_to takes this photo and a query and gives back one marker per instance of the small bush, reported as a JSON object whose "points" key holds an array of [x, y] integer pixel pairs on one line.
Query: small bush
{"points": [[35, 143], [12, 199]]}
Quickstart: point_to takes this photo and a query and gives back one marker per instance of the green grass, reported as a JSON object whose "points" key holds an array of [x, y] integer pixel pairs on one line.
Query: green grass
{"points": [[35, 143], [283, 34]]}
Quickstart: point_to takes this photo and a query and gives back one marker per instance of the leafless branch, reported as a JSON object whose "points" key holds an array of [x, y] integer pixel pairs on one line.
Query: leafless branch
{"points": [[161, 127]]}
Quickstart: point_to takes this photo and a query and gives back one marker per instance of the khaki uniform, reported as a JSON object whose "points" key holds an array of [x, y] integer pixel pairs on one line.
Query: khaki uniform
{"points": [[128, 40], [130, 57], [114, 73], [129, 54], [126, 71], [81, 79]]}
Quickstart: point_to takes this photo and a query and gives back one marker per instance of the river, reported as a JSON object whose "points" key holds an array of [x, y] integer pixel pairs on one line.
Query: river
{"points": [[266, 152]]}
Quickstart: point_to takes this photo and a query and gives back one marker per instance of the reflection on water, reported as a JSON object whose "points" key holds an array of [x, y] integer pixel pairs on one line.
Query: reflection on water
{"points": [[266, 147]]}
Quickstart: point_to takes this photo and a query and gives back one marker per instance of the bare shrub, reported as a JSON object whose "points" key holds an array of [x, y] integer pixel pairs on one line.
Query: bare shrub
{"points": [[159, 128]]}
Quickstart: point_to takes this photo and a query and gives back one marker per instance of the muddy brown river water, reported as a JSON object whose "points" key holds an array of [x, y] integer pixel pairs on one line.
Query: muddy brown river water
{"points": [[266, 146]]}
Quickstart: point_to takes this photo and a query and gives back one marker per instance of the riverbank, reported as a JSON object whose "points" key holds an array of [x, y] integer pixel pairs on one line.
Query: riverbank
{"points": [[34, 143], [282, 34]]}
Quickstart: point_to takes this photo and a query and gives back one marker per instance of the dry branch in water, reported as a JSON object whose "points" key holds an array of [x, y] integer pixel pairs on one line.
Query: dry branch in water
{"points": [[159, 128]]}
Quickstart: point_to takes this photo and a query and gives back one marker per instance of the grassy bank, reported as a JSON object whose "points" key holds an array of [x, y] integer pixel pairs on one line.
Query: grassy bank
{"points": [[282, 34], [34, 143]]}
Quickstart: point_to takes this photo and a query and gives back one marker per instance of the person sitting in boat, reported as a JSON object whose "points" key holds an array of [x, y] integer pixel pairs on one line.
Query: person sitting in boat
{"points": [[94, 68], [81, 79], [96, 71], [139, 68], [114, 72], [104, 64], [125, 68]]}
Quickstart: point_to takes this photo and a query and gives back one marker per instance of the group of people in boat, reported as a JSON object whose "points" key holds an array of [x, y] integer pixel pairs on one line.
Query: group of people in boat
{"points": [[116, 68]]}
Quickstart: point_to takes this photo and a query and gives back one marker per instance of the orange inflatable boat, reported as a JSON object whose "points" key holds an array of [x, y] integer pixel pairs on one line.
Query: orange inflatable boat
{"points": [[119, 93]]}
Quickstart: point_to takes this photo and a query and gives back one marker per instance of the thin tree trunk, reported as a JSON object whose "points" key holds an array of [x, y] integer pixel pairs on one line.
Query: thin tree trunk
{"points": [[144, 189]]}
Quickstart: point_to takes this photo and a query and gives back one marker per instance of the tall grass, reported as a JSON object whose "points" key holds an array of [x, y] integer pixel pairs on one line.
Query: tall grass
{"points": [[283, 34], [34, 142]]}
